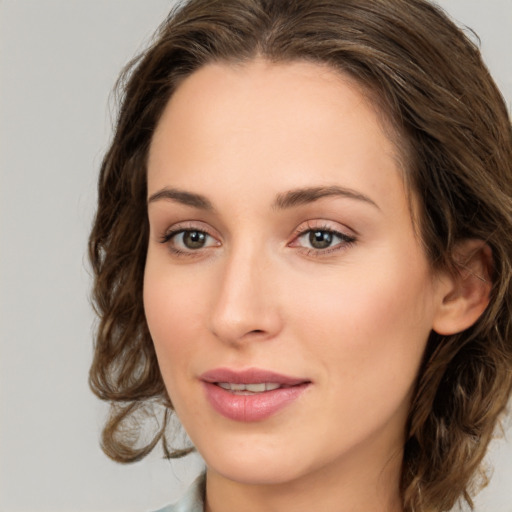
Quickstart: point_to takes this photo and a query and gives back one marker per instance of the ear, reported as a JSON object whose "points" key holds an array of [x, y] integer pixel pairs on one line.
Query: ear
{"points": [[465, 294]]}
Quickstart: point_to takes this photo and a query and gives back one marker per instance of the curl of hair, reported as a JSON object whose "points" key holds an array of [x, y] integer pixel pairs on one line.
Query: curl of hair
{"points": [[454, 134]]}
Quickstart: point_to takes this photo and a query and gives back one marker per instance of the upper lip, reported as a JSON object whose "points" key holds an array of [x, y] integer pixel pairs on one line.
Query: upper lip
{"points": [[249, 376]]}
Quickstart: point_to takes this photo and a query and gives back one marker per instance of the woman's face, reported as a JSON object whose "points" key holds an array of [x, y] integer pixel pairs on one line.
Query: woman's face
{"points": [[287, 294]]}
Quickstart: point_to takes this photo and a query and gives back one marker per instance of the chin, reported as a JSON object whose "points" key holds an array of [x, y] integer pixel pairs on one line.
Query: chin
{"points": [[255, 472], [259, 461]]}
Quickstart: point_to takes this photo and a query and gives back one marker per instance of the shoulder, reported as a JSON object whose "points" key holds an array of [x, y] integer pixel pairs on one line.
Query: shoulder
{"points": [[192, 501]]}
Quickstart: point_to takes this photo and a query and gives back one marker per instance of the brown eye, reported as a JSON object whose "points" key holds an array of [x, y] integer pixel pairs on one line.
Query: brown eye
{"points": [[319, 239], [194, 239], [189, 241]]}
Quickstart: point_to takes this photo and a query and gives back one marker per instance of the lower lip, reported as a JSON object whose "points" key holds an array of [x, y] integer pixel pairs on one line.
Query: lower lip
{"points": [[253, 407]]}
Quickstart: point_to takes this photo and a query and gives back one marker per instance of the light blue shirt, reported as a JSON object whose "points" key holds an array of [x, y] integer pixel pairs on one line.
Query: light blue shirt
{"points": [[192, 501]]}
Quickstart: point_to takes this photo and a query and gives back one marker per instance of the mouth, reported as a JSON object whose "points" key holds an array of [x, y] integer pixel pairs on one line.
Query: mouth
{"points": [[249, 389], [250, 395], [251, 376]]}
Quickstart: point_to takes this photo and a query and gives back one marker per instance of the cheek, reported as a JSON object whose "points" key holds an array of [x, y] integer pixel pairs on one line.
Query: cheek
{"points": [[374, 322], [174, 310], [172, 313]]}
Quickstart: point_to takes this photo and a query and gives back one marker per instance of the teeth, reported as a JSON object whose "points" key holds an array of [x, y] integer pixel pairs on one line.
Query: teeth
{"points": [[252, 388]]}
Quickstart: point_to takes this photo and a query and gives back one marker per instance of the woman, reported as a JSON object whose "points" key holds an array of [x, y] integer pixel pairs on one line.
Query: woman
{"points": [[302, 247]]}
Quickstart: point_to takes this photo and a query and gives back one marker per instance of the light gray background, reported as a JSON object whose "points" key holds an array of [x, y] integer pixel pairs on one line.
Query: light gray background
{"points": [[58, 62]]}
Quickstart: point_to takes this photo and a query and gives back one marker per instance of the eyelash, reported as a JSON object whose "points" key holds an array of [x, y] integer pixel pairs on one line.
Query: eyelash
{"points": [[168, 236], [345, 240]]}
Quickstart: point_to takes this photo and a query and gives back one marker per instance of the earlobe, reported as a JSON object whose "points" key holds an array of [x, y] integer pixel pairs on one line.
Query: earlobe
{"points": [[465, 294]]}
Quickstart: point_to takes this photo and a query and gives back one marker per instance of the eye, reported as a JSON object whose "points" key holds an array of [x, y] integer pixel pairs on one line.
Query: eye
{"points": [[321, 240], [191, 239], [188, 240]]}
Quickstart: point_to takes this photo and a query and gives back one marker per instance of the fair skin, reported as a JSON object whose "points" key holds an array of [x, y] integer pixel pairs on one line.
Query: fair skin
{"points": [[330, 286]]}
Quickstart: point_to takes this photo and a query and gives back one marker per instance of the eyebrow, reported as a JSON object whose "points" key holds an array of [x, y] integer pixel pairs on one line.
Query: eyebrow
{"points": [[180, 196], [286, 200], [307, 195]]}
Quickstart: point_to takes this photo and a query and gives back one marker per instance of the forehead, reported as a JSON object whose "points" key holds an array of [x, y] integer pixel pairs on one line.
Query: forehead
{"points": [[262, 123], [269, 87], [223, 99]]}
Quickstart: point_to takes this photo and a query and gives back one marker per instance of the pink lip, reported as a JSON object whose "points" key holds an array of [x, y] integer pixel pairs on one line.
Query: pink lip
{"points": [[250, 408]]}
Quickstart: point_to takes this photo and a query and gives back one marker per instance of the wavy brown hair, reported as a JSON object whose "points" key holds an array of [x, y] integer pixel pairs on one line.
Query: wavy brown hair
{"points": [[455, 137]]}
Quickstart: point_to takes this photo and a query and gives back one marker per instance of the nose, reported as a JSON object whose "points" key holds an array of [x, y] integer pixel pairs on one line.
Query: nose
{"points": [[246, 304]]}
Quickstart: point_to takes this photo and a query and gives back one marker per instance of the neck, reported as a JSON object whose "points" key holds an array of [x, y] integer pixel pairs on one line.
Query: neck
{"points": [[342, 486]]}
